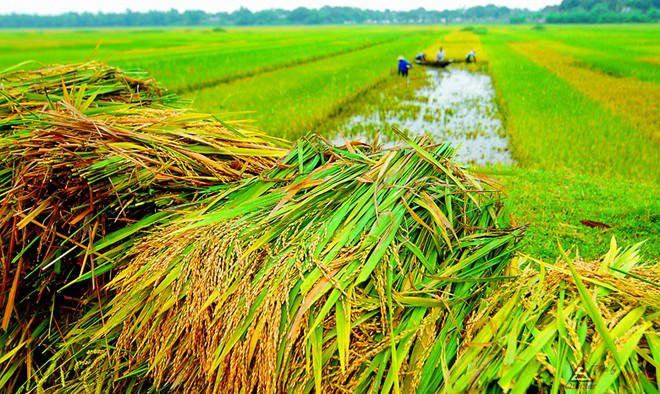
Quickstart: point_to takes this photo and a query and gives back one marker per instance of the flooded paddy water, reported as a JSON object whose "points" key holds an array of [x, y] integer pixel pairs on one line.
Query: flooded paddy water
{"points": [[456, 106]]}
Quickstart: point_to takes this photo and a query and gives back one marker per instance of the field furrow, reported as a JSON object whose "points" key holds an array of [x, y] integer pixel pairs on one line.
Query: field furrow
{"points": [[614, 50], [293, 100], [636, 101], [209, 83], [554, 126], [580, 160], [188, 59]]}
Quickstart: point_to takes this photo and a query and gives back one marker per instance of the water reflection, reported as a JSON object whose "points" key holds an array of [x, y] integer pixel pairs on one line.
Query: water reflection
{"points": [[456, 106]]}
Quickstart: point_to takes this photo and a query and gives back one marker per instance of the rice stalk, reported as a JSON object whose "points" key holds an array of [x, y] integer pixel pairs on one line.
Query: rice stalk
{"points": [[574, 325], [342, 269], [84, 151], [25, 89]]}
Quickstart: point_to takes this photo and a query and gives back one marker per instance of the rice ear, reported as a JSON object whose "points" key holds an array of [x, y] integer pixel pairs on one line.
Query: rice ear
{"points": [[85, 150], [573, 324], [313, 276]]}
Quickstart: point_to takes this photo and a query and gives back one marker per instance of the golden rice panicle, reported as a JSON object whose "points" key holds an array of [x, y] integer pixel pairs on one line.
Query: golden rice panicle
{"points": [[342, 268], [86, 150], [570, 325]]}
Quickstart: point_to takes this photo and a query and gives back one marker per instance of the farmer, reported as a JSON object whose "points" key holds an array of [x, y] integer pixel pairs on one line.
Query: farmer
{"points": [[440, 56], [470, 58], [420, 58], [404, 66]]}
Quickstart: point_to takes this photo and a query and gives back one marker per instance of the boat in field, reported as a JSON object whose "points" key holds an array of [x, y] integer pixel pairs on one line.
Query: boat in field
{"points": [[441, 64]]}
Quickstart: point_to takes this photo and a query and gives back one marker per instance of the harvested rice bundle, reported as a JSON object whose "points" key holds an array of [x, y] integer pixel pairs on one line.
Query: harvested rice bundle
{"points": [[90, 84], [75, 169], [342, 269], [572, 325]]}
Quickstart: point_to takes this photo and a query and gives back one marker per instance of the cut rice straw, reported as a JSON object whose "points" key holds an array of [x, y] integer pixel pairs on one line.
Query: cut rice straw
{"points": [[85, 150], [342, 269]]}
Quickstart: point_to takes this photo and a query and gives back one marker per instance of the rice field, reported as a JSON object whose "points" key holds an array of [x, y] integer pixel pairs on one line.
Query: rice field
{"points": [[188, 59], [318, 88], [571, 122], [210, 229]]}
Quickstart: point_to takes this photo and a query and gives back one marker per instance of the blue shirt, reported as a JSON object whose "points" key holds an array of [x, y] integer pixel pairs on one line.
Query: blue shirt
{"points": [[403, 65]]}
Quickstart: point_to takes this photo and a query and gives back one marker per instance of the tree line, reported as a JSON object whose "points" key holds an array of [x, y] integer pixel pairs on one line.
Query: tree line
{"points": [[604, 11], [569, 11]]}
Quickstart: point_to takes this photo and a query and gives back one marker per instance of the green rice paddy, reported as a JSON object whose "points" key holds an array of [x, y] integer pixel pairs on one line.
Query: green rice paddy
{"points": [[206, 263], [577, 159]]}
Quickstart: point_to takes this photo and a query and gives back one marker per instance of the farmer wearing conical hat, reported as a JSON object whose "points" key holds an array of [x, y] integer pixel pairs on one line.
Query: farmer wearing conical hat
{"points": [[404, 66], [470, 58]]}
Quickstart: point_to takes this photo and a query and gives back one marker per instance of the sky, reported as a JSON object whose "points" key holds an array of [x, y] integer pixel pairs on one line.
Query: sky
{"points": [[51, 7]]}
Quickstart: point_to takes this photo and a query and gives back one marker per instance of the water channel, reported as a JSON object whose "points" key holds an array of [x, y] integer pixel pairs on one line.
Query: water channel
{"points": [[456, 105]]}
